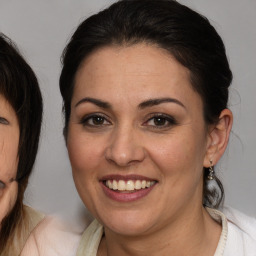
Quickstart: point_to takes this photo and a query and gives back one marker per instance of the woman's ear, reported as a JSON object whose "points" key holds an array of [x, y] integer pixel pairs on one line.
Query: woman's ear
{"points": [[218, 138]]}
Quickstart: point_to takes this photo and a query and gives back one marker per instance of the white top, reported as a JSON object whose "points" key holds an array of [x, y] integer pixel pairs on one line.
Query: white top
{"points": [[238, 237], [241, 239]]}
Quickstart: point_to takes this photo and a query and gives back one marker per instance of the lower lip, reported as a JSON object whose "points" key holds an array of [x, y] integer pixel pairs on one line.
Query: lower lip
{"points": [[126, 197]]}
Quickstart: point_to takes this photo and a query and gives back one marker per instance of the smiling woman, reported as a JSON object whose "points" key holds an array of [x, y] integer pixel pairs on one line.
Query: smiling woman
{"points": [[20, 124], [145, 144], [141, 134], [145, 90]]}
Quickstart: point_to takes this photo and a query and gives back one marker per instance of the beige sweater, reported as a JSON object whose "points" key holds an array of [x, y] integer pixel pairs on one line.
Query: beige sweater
{"points": [[20, 237]]}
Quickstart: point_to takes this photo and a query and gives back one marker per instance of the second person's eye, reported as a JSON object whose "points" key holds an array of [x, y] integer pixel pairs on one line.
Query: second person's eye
{"points": [[160, 121], [95, 120]]}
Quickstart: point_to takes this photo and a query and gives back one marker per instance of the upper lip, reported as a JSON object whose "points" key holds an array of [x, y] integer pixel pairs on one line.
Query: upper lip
{"points": [[125, 177]]}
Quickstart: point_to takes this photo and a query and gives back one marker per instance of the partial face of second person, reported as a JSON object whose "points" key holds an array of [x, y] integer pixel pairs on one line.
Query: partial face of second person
{"points": [[136, 121], [9, 141]]}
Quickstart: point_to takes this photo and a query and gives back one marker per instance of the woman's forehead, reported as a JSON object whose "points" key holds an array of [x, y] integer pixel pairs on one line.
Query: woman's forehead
{"points": [[140, 59], [128, 70]]}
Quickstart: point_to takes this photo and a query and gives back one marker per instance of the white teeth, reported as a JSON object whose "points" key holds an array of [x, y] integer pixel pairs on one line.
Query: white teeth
{"points": [[121, 185], [137, 184], [109, 184], [129, 185], [115, 185]]}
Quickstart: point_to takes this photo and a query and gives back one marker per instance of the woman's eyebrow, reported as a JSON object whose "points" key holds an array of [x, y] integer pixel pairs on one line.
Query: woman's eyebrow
{"points": [[153, 102], [97, 102]]}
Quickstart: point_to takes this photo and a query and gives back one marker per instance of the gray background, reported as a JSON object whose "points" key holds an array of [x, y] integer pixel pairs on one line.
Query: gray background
{"points": [[41, 30]]}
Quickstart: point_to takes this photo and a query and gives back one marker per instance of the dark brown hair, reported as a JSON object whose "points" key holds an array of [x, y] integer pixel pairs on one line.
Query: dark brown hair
{"points": [[185, 34], [19, 86]]}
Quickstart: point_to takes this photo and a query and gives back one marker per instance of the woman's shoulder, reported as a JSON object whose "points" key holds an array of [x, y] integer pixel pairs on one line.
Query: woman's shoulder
{"points": [[245, 223], [30, 218], [52, 237], [34, 217], [241, 233]]}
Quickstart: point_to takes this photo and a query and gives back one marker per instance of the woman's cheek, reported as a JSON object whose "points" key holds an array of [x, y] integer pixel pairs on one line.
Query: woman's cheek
{"points": [[85, 151]]}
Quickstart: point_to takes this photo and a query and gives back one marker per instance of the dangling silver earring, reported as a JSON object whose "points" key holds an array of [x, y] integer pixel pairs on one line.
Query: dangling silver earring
{"points": [[211, 174]]}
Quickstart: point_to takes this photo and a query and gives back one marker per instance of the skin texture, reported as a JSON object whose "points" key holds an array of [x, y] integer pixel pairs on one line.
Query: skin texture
{"points": [[129, 141], [9, 140]]}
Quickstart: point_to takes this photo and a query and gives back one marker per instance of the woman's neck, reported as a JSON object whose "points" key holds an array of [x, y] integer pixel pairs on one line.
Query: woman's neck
{"points": [[193, 233]]}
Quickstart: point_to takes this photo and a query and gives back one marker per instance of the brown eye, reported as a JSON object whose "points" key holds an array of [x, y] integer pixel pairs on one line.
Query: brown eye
{"points": [[98, 120], [95, 120], [159, 121]]}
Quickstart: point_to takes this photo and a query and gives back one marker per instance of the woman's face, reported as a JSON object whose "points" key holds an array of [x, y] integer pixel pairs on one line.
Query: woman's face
{"points": [[9, 140], [137, 140]]}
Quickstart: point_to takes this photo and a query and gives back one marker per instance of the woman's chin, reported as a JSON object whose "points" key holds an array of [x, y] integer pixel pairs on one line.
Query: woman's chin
{"points": [[127, 230], [128, 224]]}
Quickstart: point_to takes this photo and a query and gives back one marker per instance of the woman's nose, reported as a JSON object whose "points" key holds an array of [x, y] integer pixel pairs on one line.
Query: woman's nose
{"points": [[125, 148]]}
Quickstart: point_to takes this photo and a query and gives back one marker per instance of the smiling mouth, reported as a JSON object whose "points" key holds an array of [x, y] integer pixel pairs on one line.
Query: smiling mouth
{"points": [[128, 185]]}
